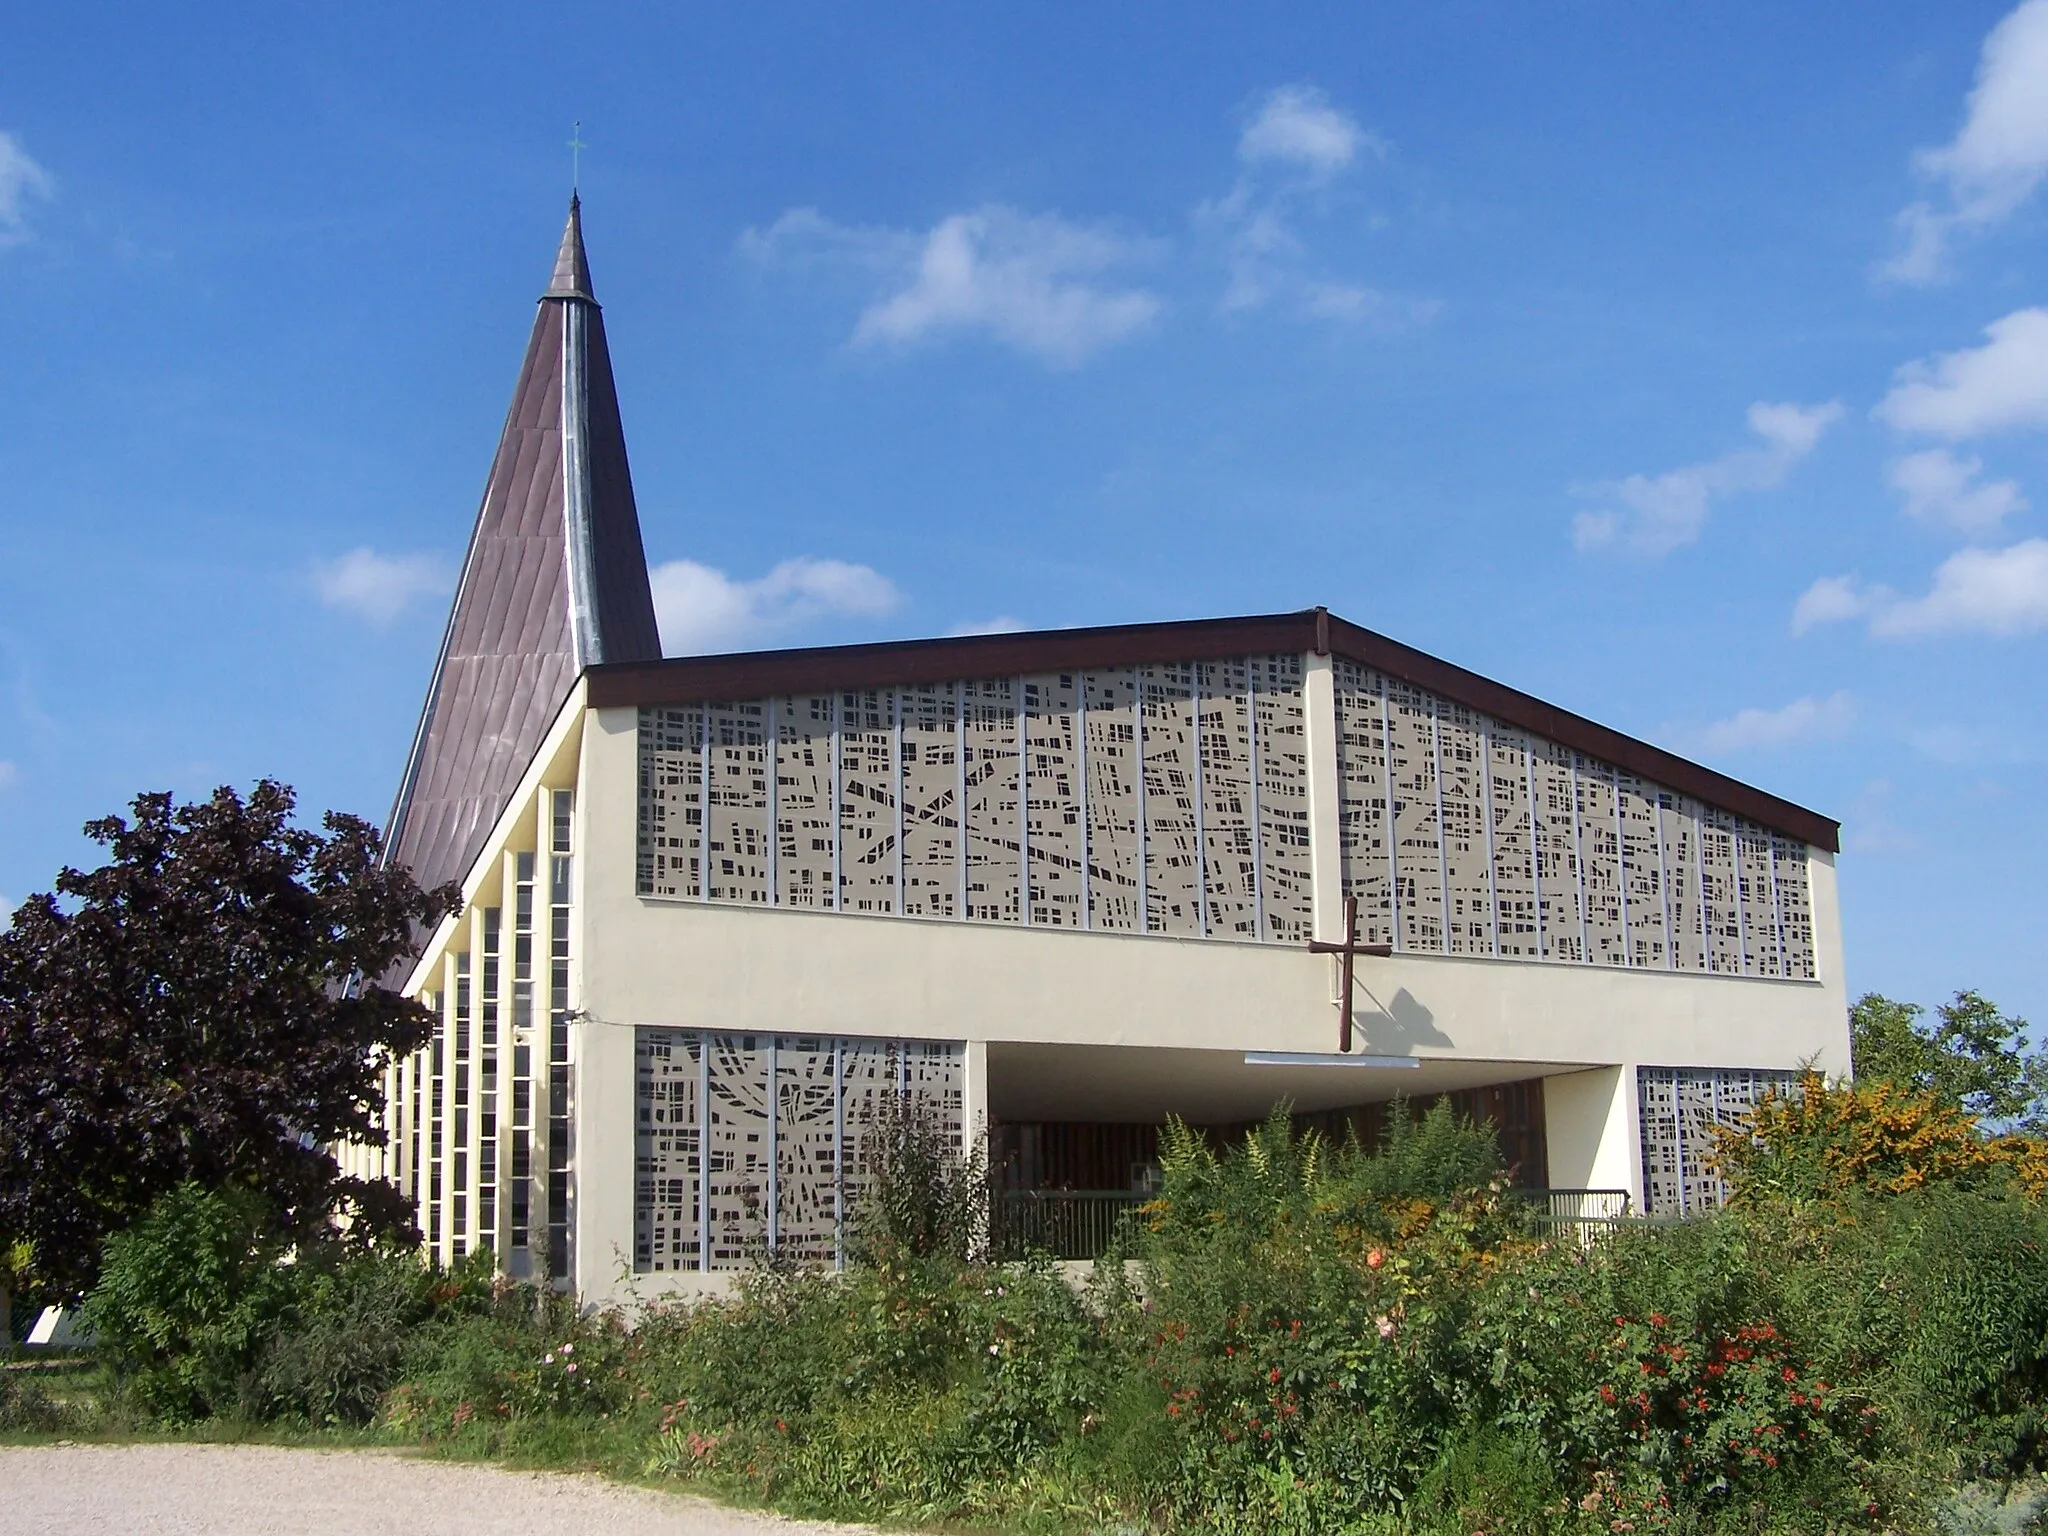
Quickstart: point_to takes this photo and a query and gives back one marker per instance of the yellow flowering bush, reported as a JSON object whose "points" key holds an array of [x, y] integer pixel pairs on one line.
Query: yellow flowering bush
{"points": [[1826, 1141]]}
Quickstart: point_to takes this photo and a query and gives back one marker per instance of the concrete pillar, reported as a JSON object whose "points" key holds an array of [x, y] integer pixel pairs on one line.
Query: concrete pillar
{"points": [[1325, 839], [1589, 1126], [606, 1098]]}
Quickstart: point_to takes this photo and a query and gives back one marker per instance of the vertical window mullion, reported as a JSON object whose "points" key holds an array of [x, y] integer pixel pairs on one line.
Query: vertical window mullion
{"points": [[1252, 765], [1486, 817], [1081, 787], [1443, 836], [1201, 807], [900, 904], [1393, 826], [704, 1150], [1144, 814], [1535, 844], [771, 738], [1023, 803], [1621, 864]]}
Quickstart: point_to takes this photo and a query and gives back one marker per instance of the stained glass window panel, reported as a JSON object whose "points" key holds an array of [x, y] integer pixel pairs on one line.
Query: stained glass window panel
{"points": [[1283, 797], [994, 828], [1115, 831], [1230, 847], [867, 802], [1173, 868], [931, 794], [803, 800], [1055, 838]]}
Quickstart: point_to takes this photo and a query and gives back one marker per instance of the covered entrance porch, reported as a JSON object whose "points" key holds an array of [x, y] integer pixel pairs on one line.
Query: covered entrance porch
{"points": [[1074, 1129]]}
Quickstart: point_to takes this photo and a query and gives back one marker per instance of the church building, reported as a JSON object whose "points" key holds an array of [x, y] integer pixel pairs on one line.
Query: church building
{"points": [[1057, 886]]}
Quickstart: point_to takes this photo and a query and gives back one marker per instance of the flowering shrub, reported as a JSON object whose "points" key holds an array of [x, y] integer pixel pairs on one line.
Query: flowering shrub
{"points": [[1308, 1338], [1716, 1411], [1829, 1141]]}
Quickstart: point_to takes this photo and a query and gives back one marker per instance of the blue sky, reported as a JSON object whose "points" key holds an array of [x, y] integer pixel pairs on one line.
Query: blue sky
{"points": [[1687, 368]]}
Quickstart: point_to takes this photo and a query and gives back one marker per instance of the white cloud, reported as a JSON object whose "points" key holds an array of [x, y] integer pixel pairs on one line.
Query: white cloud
{"points": [[2000, 385], [10, 775], [1296, 125], [1001, 624], [1831, 600], [1752, 730], [1659, 513], [2000, 592], [380, 587], [805, 237], [1034, 282], [1869, 827], [1985, 591], [1367, 306], [1294, 147], [701, 610], [20, 180], [1997, 157], [1952, 746], [1944, 491]]}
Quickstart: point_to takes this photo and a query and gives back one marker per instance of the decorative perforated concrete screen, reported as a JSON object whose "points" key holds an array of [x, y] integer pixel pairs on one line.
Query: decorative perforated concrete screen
{"points": [[1679, 1109], [751, 1144], [1464, 836], [1166, 799]]}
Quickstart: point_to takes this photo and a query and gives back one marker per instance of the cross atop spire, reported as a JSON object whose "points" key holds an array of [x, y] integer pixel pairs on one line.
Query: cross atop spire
{"points": [[572, 267]]}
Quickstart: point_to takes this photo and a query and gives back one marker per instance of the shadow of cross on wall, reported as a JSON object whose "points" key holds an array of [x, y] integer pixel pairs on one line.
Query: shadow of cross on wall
{"points": [[1398, 1026]]}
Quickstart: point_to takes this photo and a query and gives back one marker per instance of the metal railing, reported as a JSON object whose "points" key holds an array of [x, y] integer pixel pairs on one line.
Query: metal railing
{"points": [[1580, 1211], [1065, 1223], [1083, 1223]]}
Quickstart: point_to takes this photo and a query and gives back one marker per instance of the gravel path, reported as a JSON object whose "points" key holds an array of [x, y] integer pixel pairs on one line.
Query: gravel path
{"points": [[254, 1490]]}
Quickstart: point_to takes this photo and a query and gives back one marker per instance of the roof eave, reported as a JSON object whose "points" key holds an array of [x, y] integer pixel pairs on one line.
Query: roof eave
{"points": [[906, 663]]}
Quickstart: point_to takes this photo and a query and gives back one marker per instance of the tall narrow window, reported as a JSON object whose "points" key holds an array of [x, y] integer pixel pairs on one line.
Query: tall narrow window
{"points": [[458, 1187], [487, 1086], [437, 1105], [522, 1051], [564, 805]]}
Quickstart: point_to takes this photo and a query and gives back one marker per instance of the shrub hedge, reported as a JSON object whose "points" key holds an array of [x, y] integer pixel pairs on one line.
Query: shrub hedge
{"points": [[1297, 1336]]}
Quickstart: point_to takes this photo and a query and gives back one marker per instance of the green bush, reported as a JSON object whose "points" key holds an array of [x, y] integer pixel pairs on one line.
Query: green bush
{"points": [[1315, 1336], [343, 1335], [919, 1196], [29, 1407], [1935, 1305], [502, 1354], [897, 1389], [186, 1300]]}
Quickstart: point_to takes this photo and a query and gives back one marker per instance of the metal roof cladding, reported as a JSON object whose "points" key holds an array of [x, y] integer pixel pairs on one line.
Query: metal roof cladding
{"points": [[555, 581]]}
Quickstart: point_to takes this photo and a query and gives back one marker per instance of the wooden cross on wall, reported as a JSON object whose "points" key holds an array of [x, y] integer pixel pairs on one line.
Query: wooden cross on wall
{"points": [[1350, 949]]}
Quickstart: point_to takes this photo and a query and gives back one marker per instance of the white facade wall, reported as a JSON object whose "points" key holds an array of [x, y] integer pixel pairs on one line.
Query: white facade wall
{"points": [[640, 961]]}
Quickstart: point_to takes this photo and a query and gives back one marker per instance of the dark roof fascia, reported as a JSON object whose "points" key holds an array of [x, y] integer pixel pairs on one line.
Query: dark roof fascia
{"points": [[1513, 707], [905, 663]]}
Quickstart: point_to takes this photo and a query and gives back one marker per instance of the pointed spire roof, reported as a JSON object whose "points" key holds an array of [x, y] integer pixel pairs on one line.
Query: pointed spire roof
{"points": [[572, 267], [555, 581]]}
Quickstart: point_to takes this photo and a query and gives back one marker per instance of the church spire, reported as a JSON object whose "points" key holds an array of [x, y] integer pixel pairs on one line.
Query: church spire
{"points": [[572, 267], [555, 581]]}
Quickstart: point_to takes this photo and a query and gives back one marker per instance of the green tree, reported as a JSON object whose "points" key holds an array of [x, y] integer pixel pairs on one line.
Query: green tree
{"points": [[206, 1007], [1973, 1058]]}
